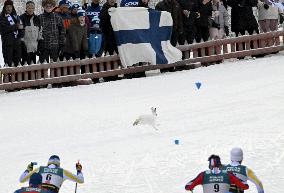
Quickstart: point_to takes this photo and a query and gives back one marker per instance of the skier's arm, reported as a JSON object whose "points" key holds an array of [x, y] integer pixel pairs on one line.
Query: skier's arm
{"points": [[26, 175], [237, 181], [196, 181], [79, 178], [252, 177]]}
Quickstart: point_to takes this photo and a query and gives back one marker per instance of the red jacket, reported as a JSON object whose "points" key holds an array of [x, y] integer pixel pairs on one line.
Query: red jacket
{"points": [[199, 181]]}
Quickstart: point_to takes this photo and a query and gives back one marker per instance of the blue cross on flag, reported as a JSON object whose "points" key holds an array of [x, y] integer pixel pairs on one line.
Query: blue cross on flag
{"points": [[143, 35]]}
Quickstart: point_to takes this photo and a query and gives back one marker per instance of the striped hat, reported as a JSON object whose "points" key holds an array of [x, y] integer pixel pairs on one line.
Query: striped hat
{"points": [[81, 12]]}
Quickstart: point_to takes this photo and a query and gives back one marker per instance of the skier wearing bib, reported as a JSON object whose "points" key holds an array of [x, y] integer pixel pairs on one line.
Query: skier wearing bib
{"points": [[34, 185], [241, 171], [53, 175], [215, 179]]}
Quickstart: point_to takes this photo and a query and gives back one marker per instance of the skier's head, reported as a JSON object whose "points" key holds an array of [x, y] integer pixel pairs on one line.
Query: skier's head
{"points": [[214, 162], [54, 159], [237, 155], [35, 180]]}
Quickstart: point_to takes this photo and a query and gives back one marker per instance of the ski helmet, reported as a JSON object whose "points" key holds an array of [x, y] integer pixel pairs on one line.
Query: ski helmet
{"points": [[35, 180], [214, 161], [236, 154], [54, 159]]}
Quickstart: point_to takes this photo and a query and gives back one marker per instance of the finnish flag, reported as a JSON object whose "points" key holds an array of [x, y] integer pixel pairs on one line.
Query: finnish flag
{"points": [[143, 35]]}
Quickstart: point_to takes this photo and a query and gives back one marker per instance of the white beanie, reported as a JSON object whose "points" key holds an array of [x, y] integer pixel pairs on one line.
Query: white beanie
{"points": [[236, 154]]}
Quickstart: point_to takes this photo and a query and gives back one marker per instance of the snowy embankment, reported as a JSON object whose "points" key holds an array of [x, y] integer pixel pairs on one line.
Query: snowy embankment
{"points": [[238, 104]]}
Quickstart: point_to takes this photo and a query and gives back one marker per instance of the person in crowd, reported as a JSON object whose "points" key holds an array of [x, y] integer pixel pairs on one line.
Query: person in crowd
{"points": [[268, 16], [34, 185], [53, 33], [202, 22], [242, 172], [53, 175], [242, 18], [11, 30], [215, 179], [220, 21], [174, 9], [64, 12], [73, 12], [32, 34], [190, 13], [95, 33], [76, 40], [110, 45]]}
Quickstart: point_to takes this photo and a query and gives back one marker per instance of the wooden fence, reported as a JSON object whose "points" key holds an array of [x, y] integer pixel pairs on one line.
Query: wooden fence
{"points": [[194, 54]]}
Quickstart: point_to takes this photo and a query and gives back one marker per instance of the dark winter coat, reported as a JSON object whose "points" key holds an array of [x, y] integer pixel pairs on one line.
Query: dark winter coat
{"points": [[193, 6], [205, 11], [53, 31], [76, 39], [106, 27], [172, 7], [11, 43], [7, 30], [242, 18]]}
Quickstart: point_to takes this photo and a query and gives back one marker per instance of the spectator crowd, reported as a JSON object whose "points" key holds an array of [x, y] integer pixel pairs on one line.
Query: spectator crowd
{"points": [[66, 30]]}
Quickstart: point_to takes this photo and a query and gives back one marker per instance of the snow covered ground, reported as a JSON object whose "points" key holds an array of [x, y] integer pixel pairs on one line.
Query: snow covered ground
{"points": [[239, 104]]}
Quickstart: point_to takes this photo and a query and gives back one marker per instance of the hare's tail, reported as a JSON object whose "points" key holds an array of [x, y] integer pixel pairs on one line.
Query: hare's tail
{"points": [[136, 122]]}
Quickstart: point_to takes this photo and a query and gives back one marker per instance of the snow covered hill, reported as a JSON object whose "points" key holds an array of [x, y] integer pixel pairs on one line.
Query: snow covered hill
{"points": [[239, 104]]}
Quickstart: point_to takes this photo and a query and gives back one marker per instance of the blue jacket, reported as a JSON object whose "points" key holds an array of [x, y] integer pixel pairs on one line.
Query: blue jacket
{"points": [[93, 13]]}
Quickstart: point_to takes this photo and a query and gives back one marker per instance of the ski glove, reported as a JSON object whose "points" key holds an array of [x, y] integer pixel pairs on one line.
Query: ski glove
{"points": [[266, 6], [30, 167], [78, 167]]}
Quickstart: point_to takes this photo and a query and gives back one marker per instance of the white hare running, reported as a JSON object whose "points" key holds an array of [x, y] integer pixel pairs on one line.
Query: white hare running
{"points": [[148, 119]]}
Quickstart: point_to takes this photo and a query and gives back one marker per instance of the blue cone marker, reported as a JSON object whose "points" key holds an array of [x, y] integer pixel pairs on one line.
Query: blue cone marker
{"points": [[177, 142], [198, 85]]}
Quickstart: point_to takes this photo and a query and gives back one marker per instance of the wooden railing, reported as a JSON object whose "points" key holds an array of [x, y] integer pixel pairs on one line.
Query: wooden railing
{"points": [[201, 53]]}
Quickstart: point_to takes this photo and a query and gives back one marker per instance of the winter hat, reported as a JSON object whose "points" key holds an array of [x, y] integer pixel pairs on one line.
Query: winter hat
{"points": [[75, 6], [54, 159], [35, 179], [8, 2], [236, 154], [64, 2], [46, 2], [214, 161], [81, 12]]}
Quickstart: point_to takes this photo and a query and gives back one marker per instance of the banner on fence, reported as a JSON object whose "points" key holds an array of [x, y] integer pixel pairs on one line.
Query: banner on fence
{"points": [[143, 35]]}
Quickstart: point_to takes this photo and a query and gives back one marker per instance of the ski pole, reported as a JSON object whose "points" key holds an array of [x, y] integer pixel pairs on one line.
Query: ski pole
{"points": [[76, 182]]}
